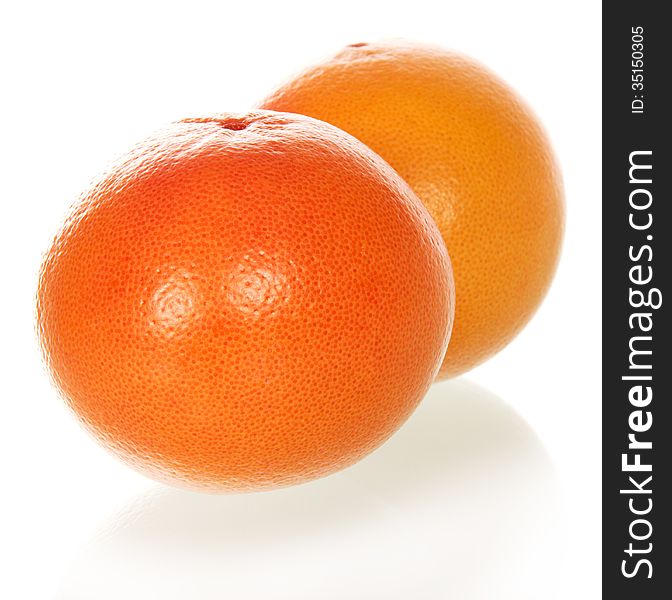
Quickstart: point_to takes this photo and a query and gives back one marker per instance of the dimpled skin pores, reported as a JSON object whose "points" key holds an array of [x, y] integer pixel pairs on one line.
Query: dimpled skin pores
{"points": [[245, 301], [475, 155]]}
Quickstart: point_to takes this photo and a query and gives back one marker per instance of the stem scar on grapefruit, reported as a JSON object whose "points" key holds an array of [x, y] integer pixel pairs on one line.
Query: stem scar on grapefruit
{"points": [[475, 155], [244, 302]]}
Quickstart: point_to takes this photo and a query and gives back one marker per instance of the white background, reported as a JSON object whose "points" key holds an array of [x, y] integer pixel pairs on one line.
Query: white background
{"points": [[81, 82]]}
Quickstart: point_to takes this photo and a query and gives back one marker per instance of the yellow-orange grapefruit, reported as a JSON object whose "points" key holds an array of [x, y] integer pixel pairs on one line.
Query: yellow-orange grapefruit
{"points": [[475, 155], [246, 301]]}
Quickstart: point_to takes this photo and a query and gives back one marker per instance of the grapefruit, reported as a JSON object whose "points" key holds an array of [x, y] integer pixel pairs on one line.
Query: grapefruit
{"points": [[475, 155], [245, 301]]}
